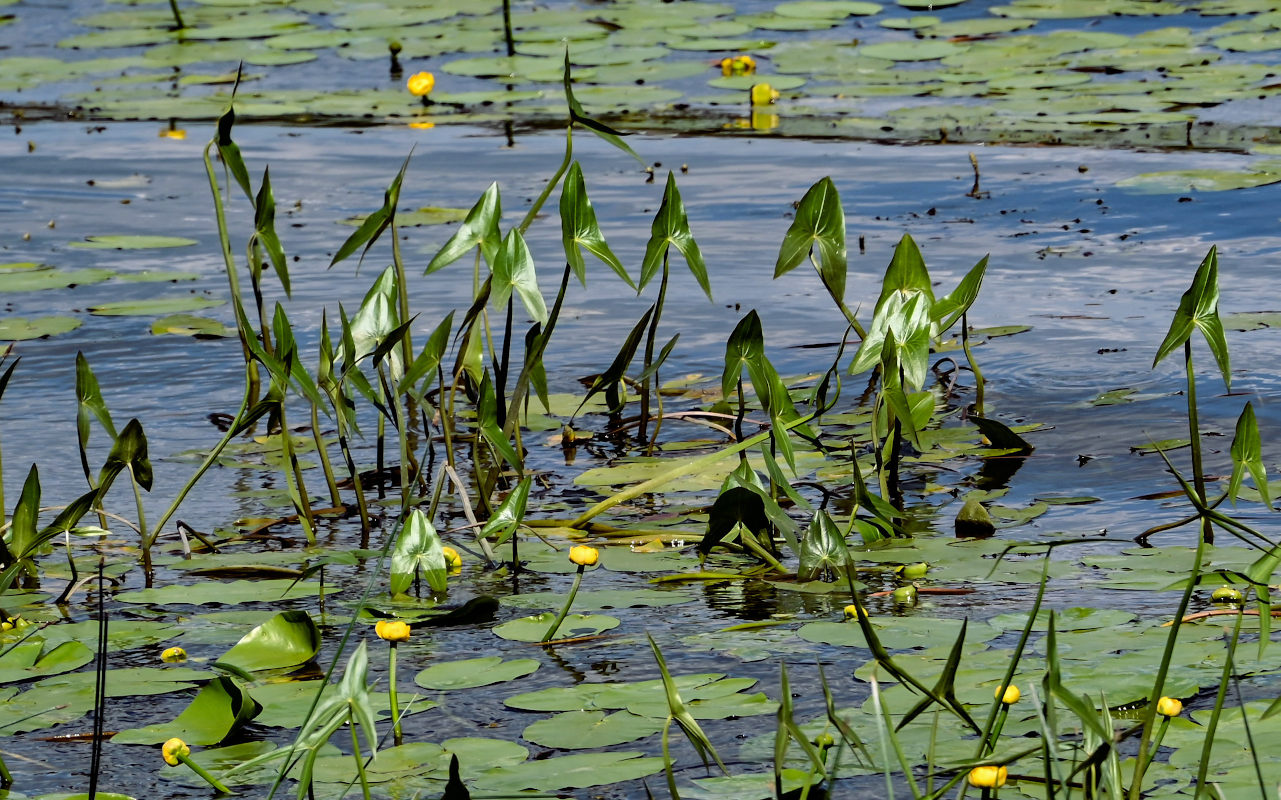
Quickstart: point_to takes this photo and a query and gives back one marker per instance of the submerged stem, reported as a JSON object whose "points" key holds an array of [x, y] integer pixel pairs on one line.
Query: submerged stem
{"points": [[569, 601]]}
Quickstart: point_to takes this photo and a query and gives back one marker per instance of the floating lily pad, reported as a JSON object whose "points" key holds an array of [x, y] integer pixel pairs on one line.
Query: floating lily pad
{"points": [[1251, 320], [132, 242], [531, 629], [20, 329], [190, 325], [745, 82], [911, 51], [288, 639], [161, 305], [430, 215], [216, 592], [568, 772], [580, 730], [37, 280], [827, 9], [35, 659], [156, 276], [472, 672], [1200, 180]]}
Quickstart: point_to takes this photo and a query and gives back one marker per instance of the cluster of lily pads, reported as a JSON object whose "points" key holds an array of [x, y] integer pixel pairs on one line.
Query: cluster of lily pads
{"points": [[807, 490], [1028, 71]]}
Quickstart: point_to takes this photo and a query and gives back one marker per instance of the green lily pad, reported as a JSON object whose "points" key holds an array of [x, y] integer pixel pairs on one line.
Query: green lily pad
{"points": [[531, 629], [582, 730], [216, 592], [1251, 320], [827, 9], [431, 215], [911, 51], [217, 710], [288, 639], [160, 305], [156, 276], [191, 325], [576, 771], [124, 682], [1199, 180], [745, 82], [19, 329], [38, 280], [472, 672], [132, 242], [35, 659]]}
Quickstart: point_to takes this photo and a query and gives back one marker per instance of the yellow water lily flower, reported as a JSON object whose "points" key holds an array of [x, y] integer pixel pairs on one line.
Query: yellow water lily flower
{"points": [[174, 751], [738, 65], [422, 125], [988, 777], [584, 556], [853, 612], [420, 84], [453, 561], [763, 94], [1169, 707], [173, 654], [1009, 694], [392, 630], [173, 133]]}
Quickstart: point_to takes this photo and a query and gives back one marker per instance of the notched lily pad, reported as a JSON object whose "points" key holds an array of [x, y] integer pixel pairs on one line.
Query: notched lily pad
{"points": [[132, 242], [20, 329], [160, 305]]}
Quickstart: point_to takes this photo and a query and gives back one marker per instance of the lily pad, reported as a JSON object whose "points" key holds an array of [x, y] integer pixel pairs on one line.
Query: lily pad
{"points": [[160, 305], [582, 730], [19, 329], [191, 325], [132, 242], [35, 659], [531, 629], [576, 771], [37, 280], [288, 639], [600, 599], [1200, 180], [215, 592], [472, 672]]}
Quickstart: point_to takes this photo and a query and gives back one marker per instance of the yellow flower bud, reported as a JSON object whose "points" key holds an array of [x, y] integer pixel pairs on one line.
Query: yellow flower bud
{"points": [[421, 83], [173, 654], [453, 561], [173, 750], [824, 740], [1169, 707], [1227, 594], [852, 612], [746, 65], [6, 626], [763, 94], [392, 630], [988, 777], [727, 67], [584, 556], [1009, 694]]}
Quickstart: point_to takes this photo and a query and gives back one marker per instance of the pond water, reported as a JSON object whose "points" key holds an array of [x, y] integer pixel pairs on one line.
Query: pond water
{"points": [[1089, 254], [1091, 269]]}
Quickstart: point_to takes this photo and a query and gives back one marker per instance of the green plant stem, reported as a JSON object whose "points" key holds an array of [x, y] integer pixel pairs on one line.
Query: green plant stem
{"points": [[649, 349], [668, 772], [507, 28], [177, 15], [670, 475], [204, 774], [979, 383], [334, 498], [293, 476], [360, 763], [229, 262], [840, 303], [569, 601], [552, 183], [402, 292], [1213, 724], [396, 734], [1194, 433], [354, 472], [142, 523], [1163, 669]]}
